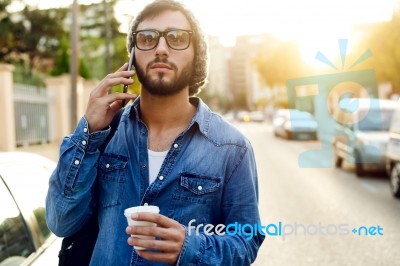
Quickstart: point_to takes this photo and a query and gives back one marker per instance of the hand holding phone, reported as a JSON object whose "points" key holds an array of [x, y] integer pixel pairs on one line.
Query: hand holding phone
{"points": [[129, 68]]}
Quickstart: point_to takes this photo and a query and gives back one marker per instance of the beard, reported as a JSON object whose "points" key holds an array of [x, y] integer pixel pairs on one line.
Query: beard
{"points": [[158, 85]]}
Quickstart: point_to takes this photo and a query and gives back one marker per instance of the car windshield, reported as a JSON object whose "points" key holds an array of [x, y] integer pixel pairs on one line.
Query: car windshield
{"points": [[296, 116], [375, 120]]}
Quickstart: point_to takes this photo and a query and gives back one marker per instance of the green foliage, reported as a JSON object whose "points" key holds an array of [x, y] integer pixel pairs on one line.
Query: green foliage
{"points": [[84, 71], [9, 32], [43, 31], [62, 65], [3, 5], [121, 54], [30, 39], [40, 39], [63, 60]]}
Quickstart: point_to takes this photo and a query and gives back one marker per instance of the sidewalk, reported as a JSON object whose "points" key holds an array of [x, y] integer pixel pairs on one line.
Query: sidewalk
{"points": [[50, 150]]}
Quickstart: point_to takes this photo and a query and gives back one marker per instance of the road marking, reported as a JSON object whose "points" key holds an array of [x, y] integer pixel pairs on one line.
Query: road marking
{"points": [[368, 187]]}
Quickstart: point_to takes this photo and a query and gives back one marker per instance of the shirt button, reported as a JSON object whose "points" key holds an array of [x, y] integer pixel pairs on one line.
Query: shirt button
{"points": [[161, 177], [200, 188], [176, 145], [76, 162], [83, 142], [85, 129], [108, 165]]}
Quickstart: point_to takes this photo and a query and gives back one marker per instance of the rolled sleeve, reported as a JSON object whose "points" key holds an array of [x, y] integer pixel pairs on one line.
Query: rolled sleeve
{"points": [[70, 192], [89, 141], [192, 250]]}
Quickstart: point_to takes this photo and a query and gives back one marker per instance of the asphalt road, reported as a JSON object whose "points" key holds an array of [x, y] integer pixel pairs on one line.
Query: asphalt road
{"points": [[319, 207]]}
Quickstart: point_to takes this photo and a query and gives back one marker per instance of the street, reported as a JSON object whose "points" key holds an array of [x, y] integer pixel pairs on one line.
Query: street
{"points": [[323, 206]]}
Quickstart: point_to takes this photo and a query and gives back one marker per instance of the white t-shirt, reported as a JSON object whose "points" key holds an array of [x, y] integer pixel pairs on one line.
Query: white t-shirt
{"points": [[156, 159]]}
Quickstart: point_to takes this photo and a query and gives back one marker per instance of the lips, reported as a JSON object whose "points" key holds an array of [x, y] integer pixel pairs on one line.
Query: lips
{"points": [[160, 65]]}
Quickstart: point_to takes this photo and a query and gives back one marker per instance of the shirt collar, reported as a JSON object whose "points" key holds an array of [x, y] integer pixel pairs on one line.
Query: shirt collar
{"points": [[202, 116]]}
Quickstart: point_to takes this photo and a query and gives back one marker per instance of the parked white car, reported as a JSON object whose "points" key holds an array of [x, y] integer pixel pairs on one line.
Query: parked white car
{"points": [[362, 133], [24, 236], [393, 153], [295, 124]]}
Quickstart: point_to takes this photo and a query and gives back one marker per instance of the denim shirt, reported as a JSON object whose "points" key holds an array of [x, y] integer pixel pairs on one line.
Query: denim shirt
{"points": [[209, 175]]}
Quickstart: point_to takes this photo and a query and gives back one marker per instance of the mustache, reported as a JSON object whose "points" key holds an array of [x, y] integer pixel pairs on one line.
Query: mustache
{"points": [[163, 61]]}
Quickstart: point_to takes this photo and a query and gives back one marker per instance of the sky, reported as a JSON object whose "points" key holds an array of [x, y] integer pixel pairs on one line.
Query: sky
{"points": [[314, 24]]}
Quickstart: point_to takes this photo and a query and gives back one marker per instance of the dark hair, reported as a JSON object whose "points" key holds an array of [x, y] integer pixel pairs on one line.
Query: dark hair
{"points": [[200, 62]]}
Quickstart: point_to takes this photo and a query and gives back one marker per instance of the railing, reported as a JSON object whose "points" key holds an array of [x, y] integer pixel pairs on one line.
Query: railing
{"points": [[31, 106]]}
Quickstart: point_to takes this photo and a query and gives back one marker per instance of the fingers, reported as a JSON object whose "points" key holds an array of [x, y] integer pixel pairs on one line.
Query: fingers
{"points": [[101, 110], [112, 98], [164, 246], [170, 240], [118, 104], [155, 231], [102, 106], [124, 67], [169, 233], [111, 80], [159, 219]]}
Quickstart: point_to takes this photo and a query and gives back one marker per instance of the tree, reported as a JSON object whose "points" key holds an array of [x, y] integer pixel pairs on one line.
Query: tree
{"points": [[384, 43], [42, 32], [9, 32], [63, 60], [276, 67], [94, 35], [37, 40], [30, 39]]}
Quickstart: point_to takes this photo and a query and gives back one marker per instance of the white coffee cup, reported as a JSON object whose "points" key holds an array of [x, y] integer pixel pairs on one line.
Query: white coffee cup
{"points": [[147, 208]]}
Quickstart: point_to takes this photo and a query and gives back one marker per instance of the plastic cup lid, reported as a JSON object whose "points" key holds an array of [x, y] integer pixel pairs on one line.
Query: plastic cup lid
{"points": [[146, 208]]}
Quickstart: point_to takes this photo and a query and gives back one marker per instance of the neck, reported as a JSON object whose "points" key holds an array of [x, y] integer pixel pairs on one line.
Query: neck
{"points": [[161, 112]]}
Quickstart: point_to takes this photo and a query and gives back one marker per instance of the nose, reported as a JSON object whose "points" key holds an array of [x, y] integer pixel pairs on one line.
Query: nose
{"points": [[162, 47]]}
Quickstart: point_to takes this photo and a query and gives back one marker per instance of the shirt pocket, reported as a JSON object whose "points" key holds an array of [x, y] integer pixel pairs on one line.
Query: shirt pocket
{"points": [[198, 188], [112, 178]]}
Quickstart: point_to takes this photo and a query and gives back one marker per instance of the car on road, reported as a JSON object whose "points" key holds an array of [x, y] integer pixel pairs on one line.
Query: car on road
{"points": [[257, 116], [362, 133], [295, 124], [25, 238], [243, 116], [278, 119], [393, 154]]}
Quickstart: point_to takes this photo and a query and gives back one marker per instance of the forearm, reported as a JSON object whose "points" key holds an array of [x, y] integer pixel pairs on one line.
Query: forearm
{"points": [[69, 202]]}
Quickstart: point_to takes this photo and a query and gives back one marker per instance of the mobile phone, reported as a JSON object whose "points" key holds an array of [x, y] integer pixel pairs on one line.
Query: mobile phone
{"points": [[132, 57]]}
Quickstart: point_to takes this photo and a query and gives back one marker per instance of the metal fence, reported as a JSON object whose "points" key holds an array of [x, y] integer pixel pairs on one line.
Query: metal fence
{"points": [[31, 114]]}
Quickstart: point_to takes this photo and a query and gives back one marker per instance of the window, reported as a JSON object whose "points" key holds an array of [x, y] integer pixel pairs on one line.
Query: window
{"points": [[15, 242]]}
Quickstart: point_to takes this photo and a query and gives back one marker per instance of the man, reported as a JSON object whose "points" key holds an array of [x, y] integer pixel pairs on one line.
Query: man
{"points": [[169, 150]]}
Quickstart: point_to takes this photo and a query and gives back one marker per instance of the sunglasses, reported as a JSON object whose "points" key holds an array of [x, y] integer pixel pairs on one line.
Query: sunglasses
{"points": [[148, 39]]}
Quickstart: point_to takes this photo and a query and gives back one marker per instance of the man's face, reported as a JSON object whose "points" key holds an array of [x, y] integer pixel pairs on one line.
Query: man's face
{"points": [[164, 71]]}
